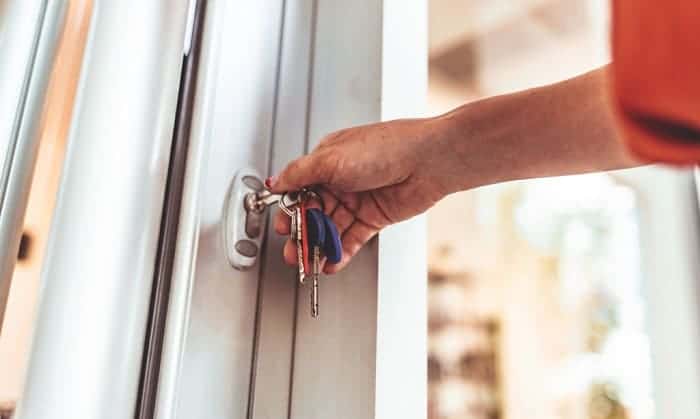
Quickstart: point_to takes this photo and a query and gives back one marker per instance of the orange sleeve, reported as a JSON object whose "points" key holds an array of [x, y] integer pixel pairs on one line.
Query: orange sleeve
{"points": [[656, 78]]}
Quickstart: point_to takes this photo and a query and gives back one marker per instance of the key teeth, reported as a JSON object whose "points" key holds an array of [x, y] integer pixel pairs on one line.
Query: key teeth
{"points": [[314, 298]]}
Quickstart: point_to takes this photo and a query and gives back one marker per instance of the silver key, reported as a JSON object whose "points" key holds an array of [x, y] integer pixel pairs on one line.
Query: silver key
{"points": [[300, 248], [292, 204], [293, 226], [289, 204], [315, 241], [314, 285]]}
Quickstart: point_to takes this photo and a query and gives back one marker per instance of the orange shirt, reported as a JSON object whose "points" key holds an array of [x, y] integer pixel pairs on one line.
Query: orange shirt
{"points": [[656, 78]]}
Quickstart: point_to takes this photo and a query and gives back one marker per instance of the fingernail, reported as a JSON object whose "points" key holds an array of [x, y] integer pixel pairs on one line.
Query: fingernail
{"points": [[270, 182]]}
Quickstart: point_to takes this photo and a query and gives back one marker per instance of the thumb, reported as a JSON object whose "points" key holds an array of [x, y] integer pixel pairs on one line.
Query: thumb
{"points": [[308, 170]]}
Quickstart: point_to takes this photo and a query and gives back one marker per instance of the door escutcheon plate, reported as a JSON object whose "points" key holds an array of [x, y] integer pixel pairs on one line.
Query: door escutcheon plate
{"points": [[243, 229]]}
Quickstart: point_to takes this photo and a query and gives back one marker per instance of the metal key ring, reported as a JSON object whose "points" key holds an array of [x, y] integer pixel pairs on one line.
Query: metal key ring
{"points": [[316, 196], [284, 206], [290, 199]]}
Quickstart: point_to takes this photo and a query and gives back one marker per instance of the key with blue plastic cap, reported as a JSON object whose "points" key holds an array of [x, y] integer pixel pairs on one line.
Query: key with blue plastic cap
{"points": [[316, 237], [326, 242], [332, 247]]}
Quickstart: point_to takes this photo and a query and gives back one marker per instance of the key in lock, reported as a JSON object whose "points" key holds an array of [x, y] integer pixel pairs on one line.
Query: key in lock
{"points": [[245, 217]]}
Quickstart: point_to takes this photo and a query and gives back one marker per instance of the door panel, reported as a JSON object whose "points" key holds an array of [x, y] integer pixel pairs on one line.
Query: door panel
{"points": [[278, 300], [280, 75], [234, 115], [345, 91], [369, 64]]}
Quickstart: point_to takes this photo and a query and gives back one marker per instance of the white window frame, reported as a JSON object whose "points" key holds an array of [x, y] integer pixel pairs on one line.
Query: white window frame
{"points": [[669, 227]]}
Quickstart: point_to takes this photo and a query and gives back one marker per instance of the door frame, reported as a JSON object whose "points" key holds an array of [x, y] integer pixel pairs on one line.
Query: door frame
{"points": [[31, 39], [88, 341]]}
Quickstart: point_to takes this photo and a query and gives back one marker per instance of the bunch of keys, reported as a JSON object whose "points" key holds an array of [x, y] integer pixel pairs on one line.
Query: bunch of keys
{"points": [[315, 236]]}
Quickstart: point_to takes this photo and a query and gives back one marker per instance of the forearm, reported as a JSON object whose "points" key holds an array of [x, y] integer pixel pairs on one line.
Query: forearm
{"points": [[564, 128], [375, 175]]}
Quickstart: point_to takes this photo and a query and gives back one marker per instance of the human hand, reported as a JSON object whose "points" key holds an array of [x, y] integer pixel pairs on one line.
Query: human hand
{"points": [[368, 177]]}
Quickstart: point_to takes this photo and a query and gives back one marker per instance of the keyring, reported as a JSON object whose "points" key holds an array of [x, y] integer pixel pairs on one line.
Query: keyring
{"points": [[291, 199], [316, 196], [284, 206]]}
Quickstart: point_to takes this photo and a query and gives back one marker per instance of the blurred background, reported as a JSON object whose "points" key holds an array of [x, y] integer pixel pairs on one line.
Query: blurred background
{"points": [[534, 287], [534, 292], [19, 318]]}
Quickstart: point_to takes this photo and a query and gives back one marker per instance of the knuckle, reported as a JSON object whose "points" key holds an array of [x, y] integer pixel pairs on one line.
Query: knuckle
{"points": [[334, 137], [294, 166], [326, 141], [332, 165]]}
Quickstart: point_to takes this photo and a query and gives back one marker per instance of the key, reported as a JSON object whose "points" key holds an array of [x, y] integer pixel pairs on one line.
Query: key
{"points": [[259, 201], [316, 235], [295, 205], [314, 281], [332, 247], [304, 238], [298, 240], [293, 226]]}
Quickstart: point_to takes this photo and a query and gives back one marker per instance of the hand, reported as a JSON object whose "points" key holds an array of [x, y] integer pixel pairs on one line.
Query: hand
{"points": [[368, 177]]}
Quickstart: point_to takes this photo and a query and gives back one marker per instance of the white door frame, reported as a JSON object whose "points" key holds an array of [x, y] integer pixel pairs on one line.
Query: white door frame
{"points": [[30, 32], [86, 356], [669, 227]]}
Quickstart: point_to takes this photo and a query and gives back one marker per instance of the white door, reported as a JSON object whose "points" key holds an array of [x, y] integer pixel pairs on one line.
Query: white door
{"points": [[141, 314]]}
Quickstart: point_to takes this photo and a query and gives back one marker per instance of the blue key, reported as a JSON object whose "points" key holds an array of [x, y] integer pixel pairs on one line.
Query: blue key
{"points": [[332, 247], [315, 227]]}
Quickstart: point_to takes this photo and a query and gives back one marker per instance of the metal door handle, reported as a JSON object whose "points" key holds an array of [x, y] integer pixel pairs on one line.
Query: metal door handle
{"points": [[245, 218]]}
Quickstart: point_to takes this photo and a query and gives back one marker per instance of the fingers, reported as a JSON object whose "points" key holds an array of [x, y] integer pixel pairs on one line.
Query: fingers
{"points": [[290, 253], [330, 202], [341, 208], [353, 240], [343, 214], [282, 223], [354, 237], [342, 218]]}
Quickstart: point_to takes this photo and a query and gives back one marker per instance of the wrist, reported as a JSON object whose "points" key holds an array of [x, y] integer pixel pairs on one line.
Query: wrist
{"points": [[455, 146], [475, 143]]}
